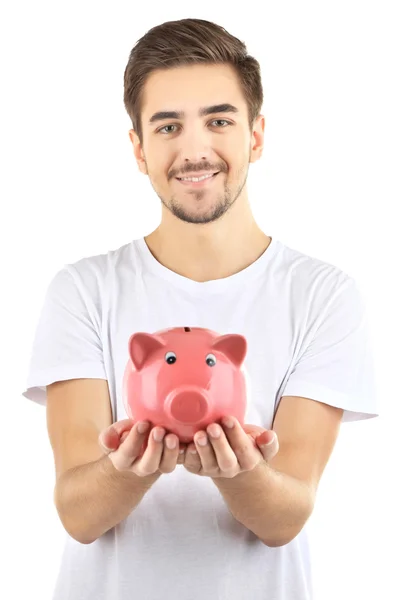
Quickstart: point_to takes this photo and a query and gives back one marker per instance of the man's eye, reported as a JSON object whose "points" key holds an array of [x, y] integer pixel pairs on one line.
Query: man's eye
{"points": [[163, 129], [221, 121]]}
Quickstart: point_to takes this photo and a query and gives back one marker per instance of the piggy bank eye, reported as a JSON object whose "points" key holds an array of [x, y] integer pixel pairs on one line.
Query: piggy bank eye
{"points": [[170, 358], [211, 360]]}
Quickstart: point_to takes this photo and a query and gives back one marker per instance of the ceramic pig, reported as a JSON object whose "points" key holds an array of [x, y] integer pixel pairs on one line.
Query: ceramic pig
{"points": [[185, 378]]}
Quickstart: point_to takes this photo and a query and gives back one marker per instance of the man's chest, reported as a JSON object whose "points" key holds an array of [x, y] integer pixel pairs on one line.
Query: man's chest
{"points": [[265, 325]]}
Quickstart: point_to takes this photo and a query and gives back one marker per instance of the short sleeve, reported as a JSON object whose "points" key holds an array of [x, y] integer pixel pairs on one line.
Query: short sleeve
{"points": [[67, 342], [337, 366]]}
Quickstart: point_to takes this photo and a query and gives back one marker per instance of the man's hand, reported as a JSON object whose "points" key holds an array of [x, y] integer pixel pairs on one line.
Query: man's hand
{"points": [[241, 449], [236, 449], [131, 449]]}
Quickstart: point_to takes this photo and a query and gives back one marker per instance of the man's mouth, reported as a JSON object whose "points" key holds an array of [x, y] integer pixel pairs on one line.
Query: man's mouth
{"points": [[201, 180]]}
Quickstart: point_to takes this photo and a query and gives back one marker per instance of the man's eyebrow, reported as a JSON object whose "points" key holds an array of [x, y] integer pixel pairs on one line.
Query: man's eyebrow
{"points": [[207, 110]]}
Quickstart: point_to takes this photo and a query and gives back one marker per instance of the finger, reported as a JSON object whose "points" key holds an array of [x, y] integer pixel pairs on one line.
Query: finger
{"points": [[124, 436], [262, 438], [192, 459], [170, 453], [253, 429], [241, 444], [268, 444], [182, 454], [110, 438], [121, 426], [225, 456], [131, 448], [150, 461], [208, 454]]}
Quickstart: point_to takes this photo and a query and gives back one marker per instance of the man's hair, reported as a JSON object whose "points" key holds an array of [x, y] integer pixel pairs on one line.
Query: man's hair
{"points": [[187, 42]]}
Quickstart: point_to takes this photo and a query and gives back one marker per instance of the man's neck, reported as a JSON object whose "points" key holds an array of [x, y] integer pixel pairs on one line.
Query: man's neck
{"points": [[206, 257]]}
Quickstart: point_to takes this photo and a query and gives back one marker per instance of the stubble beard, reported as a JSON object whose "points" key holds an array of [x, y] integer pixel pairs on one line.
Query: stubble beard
{"points": [[221, 205]]}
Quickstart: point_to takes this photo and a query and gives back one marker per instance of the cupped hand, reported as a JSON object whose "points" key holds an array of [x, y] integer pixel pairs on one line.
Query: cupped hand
{"points": [[227, 451], [238, 449], [141, 450]]}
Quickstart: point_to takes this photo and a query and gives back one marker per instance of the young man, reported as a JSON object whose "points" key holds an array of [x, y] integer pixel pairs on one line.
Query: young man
{"points": [[224, 520]]}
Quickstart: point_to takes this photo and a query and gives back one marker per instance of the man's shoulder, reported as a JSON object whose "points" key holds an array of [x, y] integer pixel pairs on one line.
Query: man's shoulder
{"points": [[311, 276], [103, 263]]}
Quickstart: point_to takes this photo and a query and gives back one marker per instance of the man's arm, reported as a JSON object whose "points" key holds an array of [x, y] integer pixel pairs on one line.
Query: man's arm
{"points": [[91, 496], [273, 505], [94, 497], [275, 500]]}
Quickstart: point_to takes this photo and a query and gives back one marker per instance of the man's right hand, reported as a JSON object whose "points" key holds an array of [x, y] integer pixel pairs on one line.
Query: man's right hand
{"points": [[131, 449]]}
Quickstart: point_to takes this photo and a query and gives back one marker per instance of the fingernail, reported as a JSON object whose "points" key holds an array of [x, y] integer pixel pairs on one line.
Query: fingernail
{"points": [[228, 423], [104, 445], [171, 443], [158, 435], [143, 427], [202, 441], [269, 443]]}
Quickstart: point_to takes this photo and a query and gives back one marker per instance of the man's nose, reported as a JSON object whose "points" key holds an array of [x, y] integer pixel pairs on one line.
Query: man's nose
{"points": [[195, 144]]}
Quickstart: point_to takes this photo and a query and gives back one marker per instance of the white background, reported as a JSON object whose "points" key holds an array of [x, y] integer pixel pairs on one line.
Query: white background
{"points": [[327, 185]]}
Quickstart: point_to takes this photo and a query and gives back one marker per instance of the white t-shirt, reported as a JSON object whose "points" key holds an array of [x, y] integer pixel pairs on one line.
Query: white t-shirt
{"points": [[306, 327]]}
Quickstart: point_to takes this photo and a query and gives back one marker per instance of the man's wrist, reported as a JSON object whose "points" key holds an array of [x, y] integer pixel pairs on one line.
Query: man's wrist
{"points": [[129, 477]]}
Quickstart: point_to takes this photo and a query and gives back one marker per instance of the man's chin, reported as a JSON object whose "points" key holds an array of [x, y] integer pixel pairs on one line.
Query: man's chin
{"points": [[199, 216]]}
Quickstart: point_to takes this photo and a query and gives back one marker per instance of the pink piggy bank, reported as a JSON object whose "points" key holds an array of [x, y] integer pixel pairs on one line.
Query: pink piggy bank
{"points": [[185, 378]]}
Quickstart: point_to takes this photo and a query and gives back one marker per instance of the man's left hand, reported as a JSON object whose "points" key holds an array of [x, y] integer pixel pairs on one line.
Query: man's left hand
{"points": [[236, 450]]}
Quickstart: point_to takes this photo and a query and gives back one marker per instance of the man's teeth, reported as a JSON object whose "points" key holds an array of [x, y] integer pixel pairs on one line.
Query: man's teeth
{"points": [[196, 178]]}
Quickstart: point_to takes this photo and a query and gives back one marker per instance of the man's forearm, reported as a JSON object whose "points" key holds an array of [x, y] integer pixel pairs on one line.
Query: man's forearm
{"points": [[92, 498], [273, 505]]}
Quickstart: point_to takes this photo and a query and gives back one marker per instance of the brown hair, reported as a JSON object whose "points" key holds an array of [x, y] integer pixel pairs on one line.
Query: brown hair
{"points": [[184, 42]]}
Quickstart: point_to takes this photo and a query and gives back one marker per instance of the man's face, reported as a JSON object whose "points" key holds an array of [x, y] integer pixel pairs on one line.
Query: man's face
{"points": [[217, 142]]}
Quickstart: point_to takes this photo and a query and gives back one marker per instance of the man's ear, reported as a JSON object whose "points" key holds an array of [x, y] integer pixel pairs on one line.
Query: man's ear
{"points": [[257, 138], [138, 151]]}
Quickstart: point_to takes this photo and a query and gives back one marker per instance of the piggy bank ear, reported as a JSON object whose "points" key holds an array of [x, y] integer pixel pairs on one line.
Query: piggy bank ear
{"points": [[142, 346], [233, 345]]}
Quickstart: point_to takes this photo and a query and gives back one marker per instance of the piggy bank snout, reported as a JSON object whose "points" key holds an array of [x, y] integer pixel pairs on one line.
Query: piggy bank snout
{"points": [[188, 405]]}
